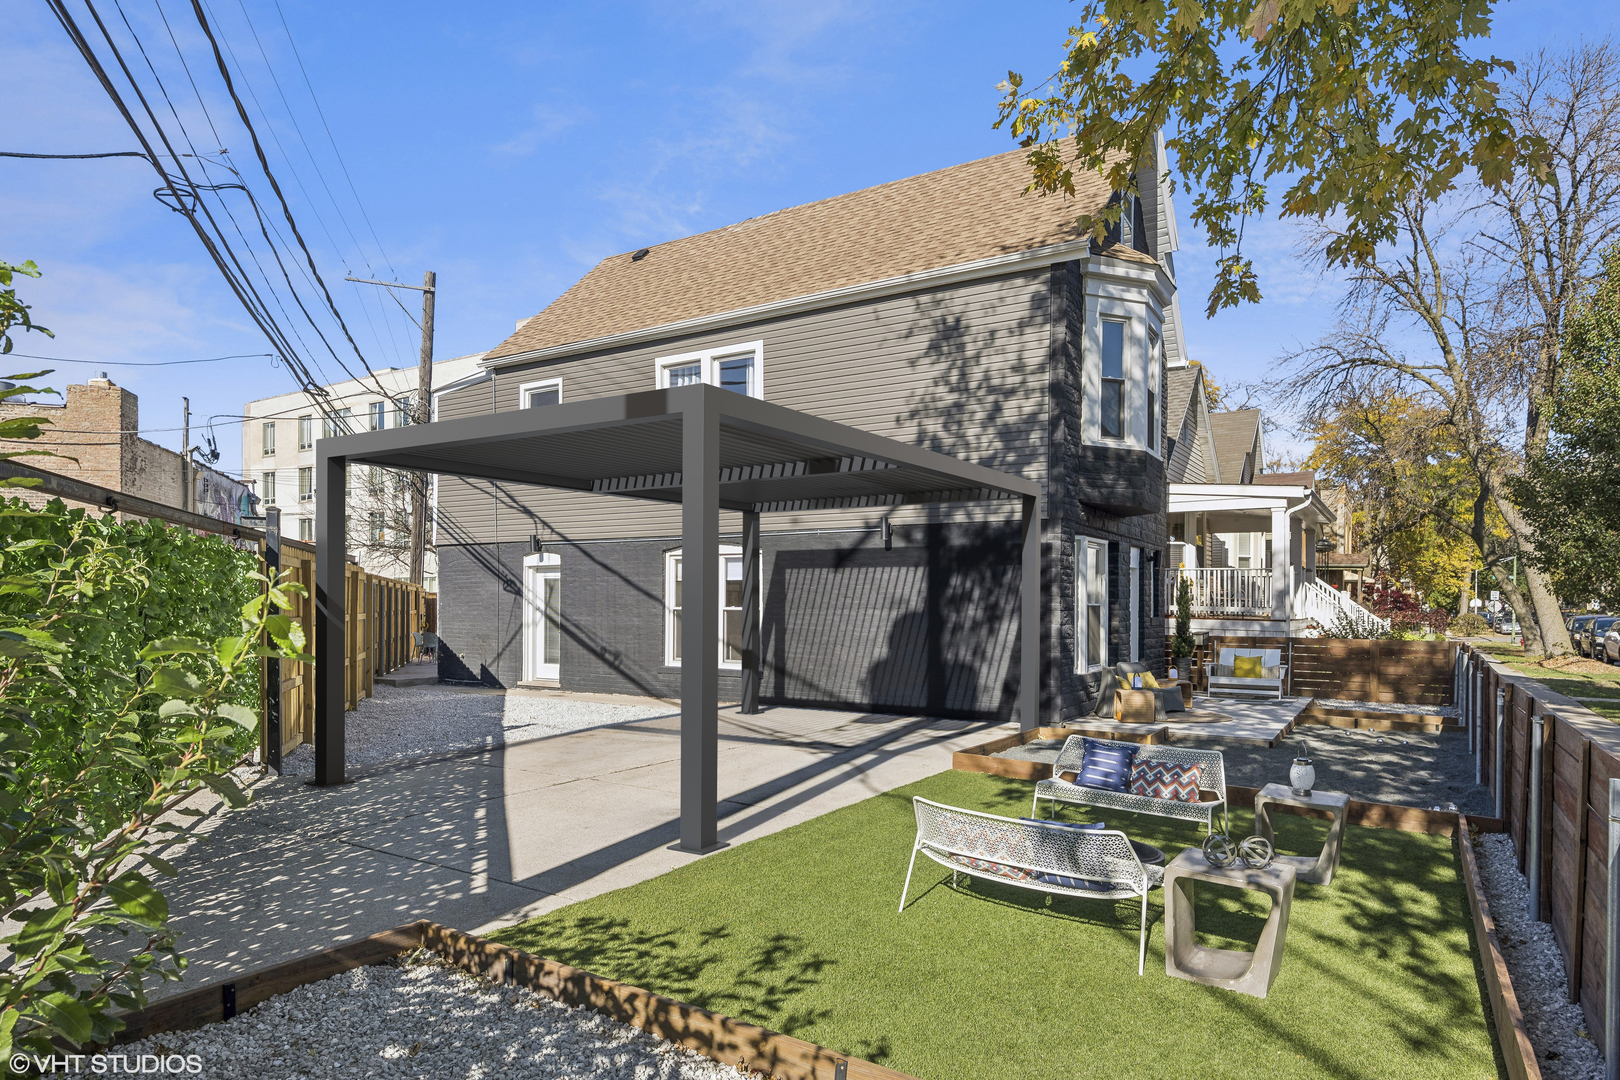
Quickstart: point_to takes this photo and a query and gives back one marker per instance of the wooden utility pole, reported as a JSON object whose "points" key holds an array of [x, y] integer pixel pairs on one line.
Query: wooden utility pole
{"points": [[424, 414], [185, 454]]}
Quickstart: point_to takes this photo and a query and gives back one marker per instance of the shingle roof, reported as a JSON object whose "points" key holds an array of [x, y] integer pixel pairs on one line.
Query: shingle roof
{"points": [[957, 215], [1179, 384], [1234, 435]]}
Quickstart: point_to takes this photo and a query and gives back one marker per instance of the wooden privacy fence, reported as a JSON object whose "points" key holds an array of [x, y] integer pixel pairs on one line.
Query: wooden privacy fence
{"points": [[1354, 669], [382, 616], [1556, 814]]}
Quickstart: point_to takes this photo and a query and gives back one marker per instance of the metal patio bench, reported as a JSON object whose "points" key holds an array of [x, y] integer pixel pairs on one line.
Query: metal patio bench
{"points": [[1269, 684], [1047, 856], [1211, 778]]}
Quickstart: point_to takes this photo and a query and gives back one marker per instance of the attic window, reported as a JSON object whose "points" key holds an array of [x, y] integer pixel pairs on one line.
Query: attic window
{"points": [[638, 254], [739, 368]]}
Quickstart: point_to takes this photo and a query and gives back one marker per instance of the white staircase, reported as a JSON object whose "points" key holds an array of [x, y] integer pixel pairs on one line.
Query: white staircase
{"points": [[1331, 609]]}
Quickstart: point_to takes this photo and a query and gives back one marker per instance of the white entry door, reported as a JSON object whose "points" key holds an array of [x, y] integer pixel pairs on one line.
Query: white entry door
{"points": [[542, 617]]}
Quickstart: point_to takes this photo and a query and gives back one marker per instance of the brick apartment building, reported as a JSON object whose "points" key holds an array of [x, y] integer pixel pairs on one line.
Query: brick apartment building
{"points": [[95, 430]]}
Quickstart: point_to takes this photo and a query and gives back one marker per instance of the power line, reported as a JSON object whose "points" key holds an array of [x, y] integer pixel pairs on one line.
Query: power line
{"points": [[141, 363], [75, 157]]}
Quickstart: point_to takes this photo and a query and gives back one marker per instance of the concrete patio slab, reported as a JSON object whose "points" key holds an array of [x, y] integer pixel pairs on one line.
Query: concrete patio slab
{"points": [[485, 838]]}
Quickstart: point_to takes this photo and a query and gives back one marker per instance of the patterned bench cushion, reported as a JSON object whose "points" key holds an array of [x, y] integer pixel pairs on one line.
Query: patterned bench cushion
{"points": [[1165, 780]]}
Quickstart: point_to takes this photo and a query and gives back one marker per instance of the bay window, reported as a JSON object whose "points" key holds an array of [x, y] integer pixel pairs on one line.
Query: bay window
{"points": [[1112, 416]]}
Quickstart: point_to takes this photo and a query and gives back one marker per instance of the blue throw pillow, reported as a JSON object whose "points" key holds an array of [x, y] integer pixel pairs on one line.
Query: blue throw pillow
{"points": [[1064, 881], [1068, 824], [1106, 765]]}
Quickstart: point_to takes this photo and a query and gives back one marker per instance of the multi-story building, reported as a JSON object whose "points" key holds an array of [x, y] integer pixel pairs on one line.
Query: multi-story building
{"points": [[278, 459], [95, 431], [947, 310]]}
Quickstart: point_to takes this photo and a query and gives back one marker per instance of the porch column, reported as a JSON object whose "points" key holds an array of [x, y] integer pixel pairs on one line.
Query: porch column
{"points": [[751, 658], [1281, 562], [1029, 618], [331, 482], [700, 624]]}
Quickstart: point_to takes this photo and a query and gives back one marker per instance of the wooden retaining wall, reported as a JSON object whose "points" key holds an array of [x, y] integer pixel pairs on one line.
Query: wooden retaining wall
{"points": [[1580, 752], [722, 1038], [1354, 669]]}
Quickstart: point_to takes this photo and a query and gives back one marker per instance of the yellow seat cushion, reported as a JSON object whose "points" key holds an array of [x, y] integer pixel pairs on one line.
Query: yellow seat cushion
{"points": [[1247, 667]]}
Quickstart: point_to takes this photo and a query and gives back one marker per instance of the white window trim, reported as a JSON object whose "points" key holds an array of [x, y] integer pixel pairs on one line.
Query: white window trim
{"points": [[1155, 385], [726, 550], [1082, 594], [709, 360], [1136, 605], [1127, 326], [541, 384]]}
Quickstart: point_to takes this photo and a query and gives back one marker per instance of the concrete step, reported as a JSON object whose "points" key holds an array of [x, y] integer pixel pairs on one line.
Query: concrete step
{"points": [[416, 674]]}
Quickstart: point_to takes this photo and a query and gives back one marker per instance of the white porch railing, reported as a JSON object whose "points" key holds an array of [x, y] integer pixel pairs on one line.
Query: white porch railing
{"points": [[1219, 592], [1329, 607]]}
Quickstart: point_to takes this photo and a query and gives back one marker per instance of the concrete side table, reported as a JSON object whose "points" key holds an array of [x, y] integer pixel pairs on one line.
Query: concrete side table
{"points": [[1245, 972], [1313, 870]]}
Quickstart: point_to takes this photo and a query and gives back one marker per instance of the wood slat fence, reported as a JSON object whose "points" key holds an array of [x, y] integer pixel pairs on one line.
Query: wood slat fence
{"points": [[382, 617], [1355, 669], [1580, 752]]}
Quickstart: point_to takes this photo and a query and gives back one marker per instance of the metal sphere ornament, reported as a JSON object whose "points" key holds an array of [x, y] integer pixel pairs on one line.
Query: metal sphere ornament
{"points": [[1256, 852], [1220, 851]]}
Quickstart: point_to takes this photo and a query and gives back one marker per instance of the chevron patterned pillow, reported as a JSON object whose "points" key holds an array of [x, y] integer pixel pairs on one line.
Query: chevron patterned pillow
{"points": [[1163, 780]]}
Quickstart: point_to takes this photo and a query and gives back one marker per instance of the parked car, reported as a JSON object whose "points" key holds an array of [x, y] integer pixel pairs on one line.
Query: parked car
{"points": [[1576, 625], [1593, 635], [1611, 644]]}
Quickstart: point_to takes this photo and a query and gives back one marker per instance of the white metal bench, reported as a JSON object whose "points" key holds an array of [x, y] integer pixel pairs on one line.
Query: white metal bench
{"points": [[1097, 864], [1211, 778], [1221, 679]]}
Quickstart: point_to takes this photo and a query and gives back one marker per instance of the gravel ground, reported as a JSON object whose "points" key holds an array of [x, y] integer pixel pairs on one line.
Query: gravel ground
{"points": [[1448, 711], [1537, 968], [425, 1019], [401, 723], [1404, 768]]}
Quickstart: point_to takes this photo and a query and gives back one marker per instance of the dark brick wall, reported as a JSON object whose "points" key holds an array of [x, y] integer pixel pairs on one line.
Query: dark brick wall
{"points": [[929, 626], [1074, 472]]}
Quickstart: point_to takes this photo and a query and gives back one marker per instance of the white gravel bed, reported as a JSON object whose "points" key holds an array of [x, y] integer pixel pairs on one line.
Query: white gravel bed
{"points": [[1536, 966], [425, 1019], [1448, 711], [411, 722]]}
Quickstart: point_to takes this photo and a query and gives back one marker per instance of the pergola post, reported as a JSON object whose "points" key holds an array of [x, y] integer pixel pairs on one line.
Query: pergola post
{"points": [[750, 614], [1029, 617], [331, 483], [700, 625]]}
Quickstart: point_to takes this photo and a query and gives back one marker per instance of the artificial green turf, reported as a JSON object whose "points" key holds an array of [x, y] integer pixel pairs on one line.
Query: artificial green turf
{"points": [[798, 932]]}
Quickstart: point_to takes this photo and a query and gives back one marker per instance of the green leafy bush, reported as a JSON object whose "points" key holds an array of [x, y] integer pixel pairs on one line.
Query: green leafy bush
{"points": [[1469, 625]]}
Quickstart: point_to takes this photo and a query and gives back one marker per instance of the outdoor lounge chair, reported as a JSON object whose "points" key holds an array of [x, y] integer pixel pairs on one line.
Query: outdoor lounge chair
{"points": [[1048, 856], [1270, 683]]}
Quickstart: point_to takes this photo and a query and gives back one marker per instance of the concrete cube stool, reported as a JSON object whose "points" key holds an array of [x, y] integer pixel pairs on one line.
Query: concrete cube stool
{"points": [[1312, 869], [1231, 969]]}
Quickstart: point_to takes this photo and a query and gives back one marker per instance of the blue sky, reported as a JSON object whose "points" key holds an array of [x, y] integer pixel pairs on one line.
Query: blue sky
{"points": [[509, 147]]}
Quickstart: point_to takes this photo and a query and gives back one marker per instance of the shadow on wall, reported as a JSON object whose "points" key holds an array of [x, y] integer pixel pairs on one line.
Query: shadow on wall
{"points": [[930, 627]]}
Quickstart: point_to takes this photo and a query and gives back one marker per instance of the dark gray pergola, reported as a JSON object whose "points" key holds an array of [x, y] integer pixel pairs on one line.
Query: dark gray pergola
{"points": [[705, 448]]}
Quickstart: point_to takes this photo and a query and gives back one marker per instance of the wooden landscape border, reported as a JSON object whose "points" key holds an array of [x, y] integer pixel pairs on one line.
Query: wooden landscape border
{"points": [[1517, 1052], [721, 1038], [979, 758], [1375, 720]]}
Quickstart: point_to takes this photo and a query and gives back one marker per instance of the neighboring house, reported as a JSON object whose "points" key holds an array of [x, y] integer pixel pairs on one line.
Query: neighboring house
{"points": [[948, 310], [1246, 541], [1343, 567], [95, 428], [278, 458]]}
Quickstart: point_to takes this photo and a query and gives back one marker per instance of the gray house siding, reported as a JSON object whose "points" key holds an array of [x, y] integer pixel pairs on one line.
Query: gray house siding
{"points": [[987, 370]]}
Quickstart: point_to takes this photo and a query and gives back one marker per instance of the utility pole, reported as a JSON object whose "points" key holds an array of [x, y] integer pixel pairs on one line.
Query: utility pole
{"points": [[185, 454], [424, 412]]}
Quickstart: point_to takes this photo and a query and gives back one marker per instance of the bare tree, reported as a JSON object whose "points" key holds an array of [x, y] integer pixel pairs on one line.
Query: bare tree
{"points": [[1437, 292]]}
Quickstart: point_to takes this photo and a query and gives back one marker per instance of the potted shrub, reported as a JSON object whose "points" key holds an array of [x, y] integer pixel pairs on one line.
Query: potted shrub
{"points": [[1183, 647]]}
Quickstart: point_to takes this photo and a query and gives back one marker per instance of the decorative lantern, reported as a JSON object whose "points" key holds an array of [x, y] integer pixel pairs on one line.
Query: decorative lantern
{"points": [[1302, 776]]}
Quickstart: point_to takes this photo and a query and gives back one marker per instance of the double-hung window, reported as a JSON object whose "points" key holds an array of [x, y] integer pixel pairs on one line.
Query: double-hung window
{"points": [[267, 487], [306, 483], [1091, 603], [377, 414], [306, 530], [269, 430], [1154, 373], [535, 394], [340, 423], [306, 433], [403, 408], [376, 523], [1112, 415], [731, 607], [739, 368]]}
